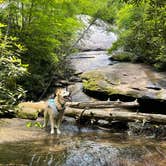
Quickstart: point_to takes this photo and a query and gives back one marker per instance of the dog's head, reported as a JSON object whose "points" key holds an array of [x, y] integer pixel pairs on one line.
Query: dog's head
{"points": [[62, 92]]}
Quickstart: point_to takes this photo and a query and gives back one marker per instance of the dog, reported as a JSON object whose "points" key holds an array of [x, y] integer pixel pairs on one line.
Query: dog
{"points": [[55, 110]]}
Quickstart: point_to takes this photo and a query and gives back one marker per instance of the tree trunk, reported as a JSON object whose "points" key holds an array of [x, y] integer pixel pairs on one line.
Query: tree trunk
{"points": [[110, 114], [103, 104]]}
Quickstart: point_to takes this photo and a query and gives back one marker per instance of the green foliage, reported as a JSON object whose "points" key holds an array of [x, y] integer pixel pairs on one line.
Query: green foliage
{"points": [[122, 56], [36, 124], [108, 12], [46, 28], [11, 69], [143, 32]]}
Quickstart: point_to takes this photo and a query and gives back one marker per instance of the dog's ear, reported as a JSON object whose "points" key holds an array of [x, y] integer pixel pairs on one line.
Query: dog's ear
{"points": [[57, 91]]}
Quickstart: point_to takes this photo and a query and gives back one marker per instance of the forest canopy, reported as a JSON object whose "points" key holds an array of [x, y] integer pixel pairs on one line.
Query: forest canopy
{"points": [[142, 31]]}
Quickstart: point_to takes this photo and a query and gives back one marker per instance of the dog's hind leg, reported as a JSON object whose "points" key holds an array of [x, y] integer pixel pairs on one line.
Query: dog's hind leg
{"points": [[45, 118], [57, 129]]}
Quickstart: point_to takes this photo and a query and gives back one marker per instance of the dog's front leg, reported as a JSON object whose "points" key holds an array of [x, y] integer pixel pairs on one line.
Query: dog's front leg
{"points": [[59, 121], [52, 122], [57, 129], [56, 126]]}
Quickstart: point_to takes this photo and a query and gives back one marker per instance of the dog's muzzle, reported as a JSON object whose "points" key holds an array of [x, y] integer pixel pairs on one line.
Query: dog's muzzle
{"points": [[68, 98]]}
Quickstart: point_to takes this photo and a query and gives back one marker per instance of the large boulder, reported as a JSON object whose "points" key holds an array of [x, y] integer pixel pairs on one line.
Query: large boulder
{"points": [[126, 81], [97, 36]]}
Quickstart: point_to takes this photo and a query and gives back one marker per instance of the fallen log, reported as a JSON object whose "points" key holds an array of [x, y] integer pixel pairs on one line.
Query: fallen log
{"points": [[111, 114], [103, 104]]}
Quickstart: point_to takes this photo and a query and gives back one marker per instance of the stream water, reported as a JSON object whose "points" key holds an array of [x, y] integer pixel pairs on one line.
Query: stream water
{"points": [[85, 146]]}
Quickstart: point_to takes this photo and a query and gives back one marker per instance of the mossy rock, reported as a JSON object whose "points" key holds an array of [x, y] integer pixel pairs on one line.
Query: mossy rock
{"points": [[126, 80], [122, 57], [92, 81], [27, 113]]}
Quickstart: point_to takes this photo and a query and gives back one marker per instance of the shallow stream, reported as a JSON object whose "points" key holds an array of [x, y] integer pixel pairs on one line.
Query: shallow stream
{"points": [[84, 147]]}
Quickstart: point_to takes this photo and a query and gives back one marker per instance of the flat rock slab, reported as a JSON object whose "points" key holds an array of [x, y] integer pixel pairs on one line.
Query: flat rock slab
{"points": [[127, 79], [15, 129]]}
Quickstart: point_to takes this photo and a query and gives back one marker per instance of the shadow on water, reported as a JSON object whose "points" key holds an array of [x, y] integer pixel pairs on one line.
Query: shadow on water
{"points": [[84, 147]]}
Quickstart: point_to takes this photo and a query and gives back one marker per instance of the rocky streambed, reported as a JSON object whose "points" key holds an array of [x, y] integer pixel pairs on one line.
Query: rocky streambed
{"points": [[78, 146]]}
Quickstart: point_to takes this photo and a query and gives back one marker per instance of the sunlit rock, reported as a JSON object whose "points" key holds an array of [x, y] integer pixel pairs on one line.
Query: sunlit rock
{"points": [[97, 37]]}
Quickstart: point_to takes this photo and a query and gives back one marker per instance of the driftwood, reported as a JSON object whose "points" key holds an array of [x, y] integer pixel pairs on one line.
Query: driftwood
{"points": [[103, 104], [111, 114]]}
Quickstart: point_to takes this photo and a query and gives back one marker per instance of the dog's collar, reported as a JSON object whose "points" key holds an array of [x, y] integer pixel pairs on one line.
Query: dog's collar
{"points": [[52, 103]]}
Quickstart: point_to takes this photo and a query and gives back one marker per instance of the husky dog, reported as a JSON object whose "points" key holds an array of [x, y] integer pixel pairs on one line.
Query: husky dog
{"points": [[55, 110]]}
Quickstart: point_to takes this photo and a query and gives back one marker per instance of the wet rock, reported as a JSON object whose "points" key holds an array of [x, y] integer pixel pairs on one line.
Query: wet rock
{"points": [[97, 37], [76, 146], [147, 130], [75, 79], [77, 93], [90, 153], [93, 60], [126, 81]]}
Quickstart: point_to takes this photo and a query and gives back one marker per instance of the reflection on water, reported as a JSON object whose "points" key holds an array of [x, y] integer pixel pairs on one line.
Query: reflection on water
{"points": [[85, 147]]}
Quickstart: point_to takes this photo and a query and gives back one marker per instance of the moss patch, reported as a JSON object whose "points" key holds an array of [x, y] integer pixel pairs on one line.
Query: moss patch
{"points": [[27, 114], [123, 57], [90, 85], [91, 80]]}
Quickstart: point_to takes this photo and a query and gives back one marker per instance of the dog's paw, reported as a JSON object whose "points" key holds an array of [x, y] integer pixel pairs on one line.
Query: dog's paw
{"points": [[58, 131], [52, 132]]}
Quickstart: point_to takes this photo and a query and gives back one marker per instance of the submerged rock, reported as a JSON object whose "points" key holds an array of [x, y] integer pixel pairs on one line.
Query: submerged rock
{"points": [[90, 153], [147, 130], [126, 81]]}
